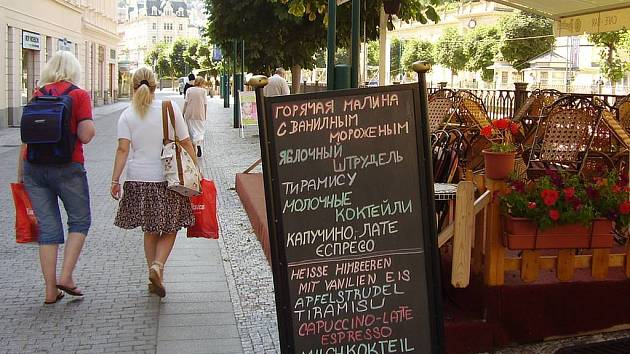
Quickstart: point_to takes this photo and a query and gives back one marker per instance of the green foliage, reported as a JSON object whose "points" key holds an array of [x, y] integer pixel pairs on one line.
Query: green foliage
{"points": [[317, 10], [191, 55], [481, 46], [177, 58], [395, 57], [517, 47], [415, 50], [449, 50], [373, 53], [611, 64], [158, 59], [284, 41]]}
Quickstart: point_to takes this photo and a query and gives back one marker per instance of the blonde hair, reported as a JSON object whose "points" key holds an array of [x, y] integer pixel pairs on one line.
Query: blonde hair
{"points": [[143, 93], [62, 66], [200, 81]]}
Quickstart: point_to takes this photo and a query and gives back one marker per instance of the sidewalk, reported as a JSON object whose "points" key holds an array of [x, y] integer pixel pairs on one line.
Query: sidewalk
{"points": [[219, 293]]}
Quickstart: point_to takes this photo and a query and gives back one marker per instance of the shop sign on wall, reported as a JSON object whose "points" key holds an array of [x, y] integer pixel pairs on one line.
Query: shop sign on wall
{"points": [[64, 44], [31, 40]]}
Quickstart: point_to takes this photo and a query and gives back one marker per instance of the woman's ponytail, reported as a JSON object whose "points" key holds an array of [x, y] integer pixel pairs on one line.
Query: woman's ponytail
{"points": [[144, 88]]}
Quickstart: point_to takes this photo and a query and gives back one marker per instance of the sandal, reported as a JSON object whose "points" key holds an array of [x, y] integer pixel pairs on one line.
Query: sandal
{"points": [[155, 276], [70, 291], [60, 296]]}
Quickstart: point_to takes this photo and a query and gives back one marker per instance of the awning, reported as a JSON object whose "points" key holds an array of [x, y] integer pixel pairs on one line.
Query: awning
{"points": [[576, 17]]}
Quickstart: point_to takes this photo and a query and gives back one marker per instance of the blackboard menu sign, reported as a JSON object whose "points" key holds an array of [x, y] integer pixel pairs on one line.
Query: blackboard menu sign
{"points": [[343, 176]]}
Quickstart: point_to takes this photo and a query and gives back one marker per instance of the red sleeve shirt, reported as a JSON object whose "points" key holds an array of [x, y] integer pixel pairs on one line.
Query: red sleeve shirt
{"points": [[81, 110]]}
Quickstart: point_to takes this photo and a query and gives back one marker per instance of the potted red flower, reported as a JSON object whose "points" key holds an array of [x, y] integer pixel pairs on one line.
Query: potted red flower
{"points": [[562, 211], [499, 158]]}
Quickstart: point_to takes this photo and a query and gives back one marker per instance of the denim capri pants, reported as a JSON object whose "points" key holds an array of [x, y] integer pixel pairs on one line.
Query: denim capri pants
{"points": [[46, 184]]}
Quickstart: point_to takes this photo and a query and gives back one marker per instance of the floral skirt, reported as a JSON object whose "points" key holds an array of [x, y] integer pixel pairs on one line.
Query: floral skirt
{"points": [[153, 207]]}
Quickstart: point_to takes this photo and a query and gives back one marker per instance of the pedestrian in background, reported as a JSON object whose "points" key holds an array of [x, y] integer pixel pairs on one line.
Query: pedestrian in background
{"points": [[146, 202], [190, 83], [46, 183], [195, 112], [277, 85]]}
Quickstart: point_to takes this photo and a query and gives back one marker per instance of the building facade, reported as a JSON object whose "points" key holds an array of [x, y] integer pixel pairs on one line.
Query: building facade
{"points": [[147, 22], [32, 31]]}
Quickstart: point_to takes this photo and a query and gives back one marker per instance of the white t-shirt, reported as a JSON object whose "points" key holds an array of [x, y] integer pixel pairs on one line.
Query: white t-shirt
{"points": [[145, 133]]}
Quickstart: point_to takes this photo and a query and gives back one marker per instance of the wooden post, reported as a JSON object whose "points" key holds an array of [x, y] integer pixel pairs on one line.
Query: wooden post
{"points": [[480, 233], [599, 265], [520, 95], [530, 266], [463, 235], [566, 265], [627, 263], [495, 252]]}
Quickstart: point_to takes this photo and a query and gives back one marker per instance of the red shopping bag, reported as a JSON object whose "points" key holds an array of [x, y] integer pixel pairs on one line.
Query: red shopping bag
{"points": [[25, 222], [204, 208]]}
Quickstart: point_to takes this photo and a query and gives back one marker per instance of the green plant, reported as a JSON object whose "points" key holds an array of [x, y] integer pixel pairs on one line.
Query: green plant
{"points": [[559, 199], [500, 133]]}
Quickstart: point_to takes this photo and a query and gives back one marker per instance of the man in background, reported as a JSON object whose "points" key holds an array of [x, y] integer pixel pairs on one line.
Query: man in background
{"points": [[190, 83], [277, 85]]}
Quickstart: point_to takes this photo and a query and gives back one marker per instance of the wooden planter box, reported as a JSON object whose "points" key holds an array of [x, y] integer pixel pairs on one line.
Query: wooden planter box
{"points": [[522, 234]]}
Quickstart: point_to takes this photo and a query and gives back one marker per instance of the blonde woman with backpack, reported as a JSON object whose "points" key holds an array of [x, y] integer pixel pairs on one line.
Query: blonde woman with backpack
{"points": [[48, 177], [146, 202]]}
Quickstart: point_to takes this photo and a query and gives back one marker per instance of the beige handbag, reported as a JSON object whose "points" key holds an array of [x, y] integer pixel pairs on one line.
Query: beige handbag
{"points": [[180, 171]]}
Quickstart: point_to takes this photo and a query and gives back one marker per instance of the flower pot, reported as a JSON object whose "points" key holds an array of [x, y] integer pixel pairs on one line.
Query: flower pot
{"points": [[523, 234], [498, 165]]}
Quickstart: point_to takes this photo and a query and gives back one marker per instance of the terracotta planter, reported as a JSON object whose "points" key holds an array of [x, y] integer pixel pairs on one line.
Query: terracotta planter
{"points": [[498, 165], [522, 234]]}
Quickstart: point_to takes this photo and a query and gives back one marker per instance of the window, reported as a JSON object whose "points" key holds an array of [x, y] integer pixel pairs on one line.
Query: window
{"points": [[504, 77], [153, 39], [168, 11], [181, 27], [180, 12], [168, 26], [168, 39], [154, 11], [154, 25]]}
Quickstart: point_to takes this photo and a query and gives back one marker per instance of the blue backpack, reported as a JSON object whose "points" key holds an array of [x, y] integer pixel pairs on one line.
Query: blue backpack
{"points": [[45, 128]]}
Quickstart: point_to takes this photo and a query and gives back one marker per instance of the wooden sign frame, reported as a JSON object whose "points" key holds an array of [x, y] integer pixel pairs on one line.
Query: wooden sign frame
{"points": [[428, 231]]}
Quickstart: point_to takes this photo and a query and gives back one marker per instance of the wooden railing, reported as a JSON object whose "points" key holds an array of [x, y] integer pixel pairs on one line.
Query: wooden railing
{"points": [[477, 244]]}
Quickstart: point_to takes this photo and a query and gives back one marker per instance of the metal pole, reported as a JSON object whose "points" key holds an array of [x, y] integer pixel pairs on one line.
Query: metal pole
{"points": [[242, 65], [332, 46], [428, 214], [237, 111], [356, 22]]}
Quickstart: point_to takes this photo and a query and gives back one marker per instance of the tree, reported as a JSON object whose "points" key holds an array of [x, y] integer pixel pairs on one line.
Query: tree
{"points": [[418, 10], [158, 59], [611, 64], [395, 54], [415, 50], [177, 59], [191, 55], [523, 37], [449, 50], [481, 46], [372, 53]]}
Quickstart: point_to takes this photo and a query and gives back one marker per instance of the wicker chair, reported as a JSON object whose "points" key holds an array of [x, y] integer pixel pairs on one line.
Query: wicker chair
{"points": [[442, 106], [563, 138], [472, 117], [622, 107], [533, 110]]}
